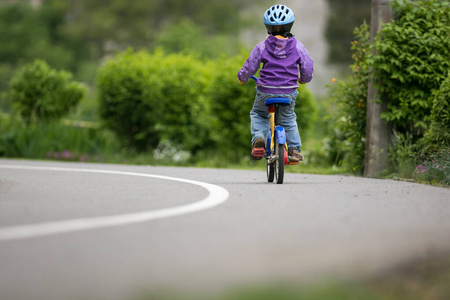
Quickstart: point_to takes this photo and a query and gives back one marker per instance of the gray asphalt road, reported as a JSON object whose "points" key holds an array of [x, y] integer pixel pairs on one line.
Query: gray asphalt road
{"points": [[311, 227]]}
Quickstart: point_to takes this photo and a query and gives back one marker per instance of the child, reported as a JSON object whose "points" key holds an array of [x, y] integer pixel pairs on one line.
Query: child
{"points": [[285, 62]]}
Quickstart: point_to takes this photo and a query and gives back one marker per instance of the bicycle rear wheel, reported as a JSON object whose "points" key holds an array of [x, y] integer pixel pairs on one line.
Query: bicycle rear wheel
{"points": [[279, 163]]}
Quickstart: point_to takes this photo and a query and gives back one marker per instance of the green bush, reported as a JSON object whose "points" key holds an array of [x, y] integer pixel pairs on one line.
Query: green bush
{"points": [[179, 102], [404, 154], [149, 98], [40, 93], [439, 132], [430, 153], [185, 118], [412, 59], [435, 169], [231, 105], [125, 106], [348, 141], [306, 109]]}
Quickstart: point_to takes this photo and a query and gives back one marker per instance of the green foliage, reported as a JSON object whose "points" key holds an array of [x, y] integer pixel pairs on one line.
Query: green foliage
{"points": [[305, 109], [96, 29], [439, 133], [431, 153], [230, 105], [185, 119], [74, 35], [434, 147], [186, 36], [24, 36], [178, 102], [127, 90], [348, 145], [52, 140], [435, 169], [146, 98], [403, 154], [41, 93], [411, 61]]}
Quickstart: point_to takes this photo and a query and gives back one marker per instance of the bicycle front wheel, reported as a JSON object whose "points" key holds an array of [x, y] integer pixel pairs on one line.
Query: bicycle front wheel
{"points": [[279, 163], [270, 170]]}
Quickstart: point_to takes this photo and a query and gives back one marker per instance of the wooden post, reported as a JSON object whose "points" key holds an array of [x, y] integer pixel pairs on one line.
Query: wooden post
{"points": [[377, 130]]}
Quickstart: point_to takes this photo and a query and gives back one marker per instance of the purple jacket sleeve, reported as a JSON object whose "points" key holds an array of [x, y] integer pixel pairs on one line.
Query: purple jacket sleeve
{"points": [[306, 64], [252, 64]]}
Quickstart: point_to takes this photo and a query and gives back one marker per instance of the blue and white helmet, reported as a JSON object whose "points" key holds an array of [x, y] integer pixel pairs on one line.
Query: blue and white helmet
{"points": [[279, 15], [279, 19]]}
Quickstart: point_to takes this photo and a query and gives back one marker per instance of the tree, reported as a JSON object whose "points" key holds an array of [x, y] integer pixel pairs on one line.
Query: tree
{"points": [[344, 16], [25, 35], [105, 29], [70, 34]]}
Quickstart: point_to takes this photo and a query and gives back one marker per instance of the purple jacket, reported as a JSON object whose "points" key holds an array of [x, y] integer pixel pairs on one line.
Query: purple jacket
{"points": [[283, 60]]}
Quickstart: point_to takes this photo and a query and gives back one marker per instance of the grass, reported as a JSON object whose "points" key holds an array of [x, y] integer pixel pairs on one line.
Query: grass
{"points": [[434, 169], [53, 140]]}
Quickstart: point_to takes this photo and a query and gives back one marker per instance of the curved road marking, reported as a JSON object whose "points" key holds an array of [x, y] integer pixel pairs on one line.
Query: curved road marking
{"points": [[217, 195]]}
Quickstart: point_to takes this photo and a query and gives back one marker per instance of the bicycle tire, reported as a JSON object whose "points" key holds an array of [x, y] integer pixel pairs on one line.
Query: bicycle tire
{"points": [[270, 170], [279, 163]]}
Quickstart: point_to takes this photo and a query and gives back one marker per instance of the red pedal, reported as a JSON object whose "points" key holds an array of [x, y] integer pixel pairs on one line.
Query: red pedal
{"points": [[258, 152]]}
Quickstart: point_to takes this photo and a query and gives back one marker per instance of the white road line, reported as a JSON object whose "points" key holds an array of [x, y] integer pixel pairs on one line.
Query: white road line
{"points": [[217, 195]]}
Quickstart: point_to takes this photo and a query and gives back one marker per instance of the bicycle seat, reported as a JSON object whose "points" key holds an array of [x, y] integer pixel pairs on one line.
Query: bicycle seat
{"points": [[281, 101]]}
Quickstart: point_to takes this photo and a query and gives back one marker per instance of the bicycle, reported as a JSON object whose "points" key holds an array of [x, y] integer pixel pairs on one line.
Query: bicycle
{"points": [[276, 153]]}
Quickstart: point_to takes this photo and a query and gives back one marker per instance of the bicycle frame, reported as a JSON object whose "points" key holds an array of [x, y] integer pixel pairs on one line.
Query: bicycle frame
{"points": [[275, 130]]}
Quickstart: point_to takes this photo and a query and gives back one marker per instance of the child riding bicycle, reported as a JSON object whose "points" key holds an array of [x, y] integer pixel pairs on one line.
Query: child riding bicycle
{"points": [[286, 62]]}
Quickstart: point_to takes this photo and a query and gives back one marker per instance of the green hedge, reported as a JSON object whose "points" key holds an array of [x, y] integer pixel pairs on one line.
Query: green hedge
{"points": [[230, 106], [412, 60], [439, 133], [347, 145], [148, 98], [154, 100]]}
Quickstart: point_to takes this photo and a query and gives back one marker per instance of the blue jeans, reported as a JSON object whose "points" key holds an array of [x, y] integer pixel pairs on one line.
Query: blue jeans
{"points": [[260, 124]]}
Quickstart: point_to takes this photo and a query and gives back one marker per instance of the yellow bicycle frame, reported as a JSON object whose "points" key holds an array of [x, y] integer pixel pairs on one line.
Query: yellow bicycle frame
{"points": [[272, 130], [272, 139]]}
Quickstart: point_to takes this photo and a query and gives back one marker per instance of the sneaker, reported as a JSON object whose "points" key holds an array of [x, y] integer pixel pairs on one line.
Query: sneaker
{"points": [[295, 156], [258, 149]]}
